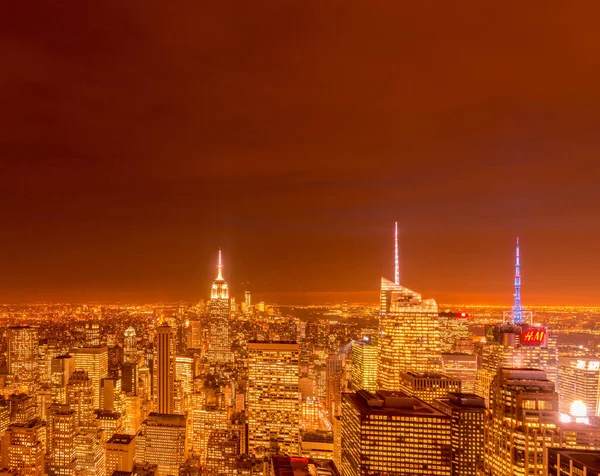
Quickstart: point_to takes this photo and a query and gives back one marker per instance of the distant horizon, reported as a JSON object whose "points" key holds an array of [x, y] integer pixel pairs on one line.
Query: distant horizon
{"points": [[316, 298]]}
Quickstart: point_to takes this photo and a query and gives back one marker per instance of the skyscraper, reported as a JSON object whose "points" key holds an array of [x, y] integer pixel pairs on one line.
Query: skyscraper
{"points": [[219, 345], [23, 447], [61, 440], [94, 360], [522, 418], [428, 386], [130, 354], [92, 334], [467, 417], [409, 333], [23, 355], [516, 343], [162, 441], [364, 364], [61, 369], [392, 433], [165, 370], [273, 395], [579, 379], [80, 396]]}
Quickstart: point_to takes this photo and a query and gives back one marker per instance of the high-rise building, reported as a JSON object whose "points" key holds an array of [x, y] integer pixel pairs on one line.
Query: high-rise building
{"points": [[80, 397], [462, 367], [454, 329], [409, 338], [516, 343], [129, 379], [22, 358], [202, 422], [92, 334], [219, 344], [61, 440], [120, 453], [110, 394], [273, 395], [333, 375], [24, 446], [568, 462], [184, 372], [130, 353], [165, 368], [94, 360], [467, 418], [579, 379], [90, 459], [392, 433], [222, 452], [22, 407], [195, 334], [61, 369], [364, 363], [162, 441], [428, 386], [522, 418]]}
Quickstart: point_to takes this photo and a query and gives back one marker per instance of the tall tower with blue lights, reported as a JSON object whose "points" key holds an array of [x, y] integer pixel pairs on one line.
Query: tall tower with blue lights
{"points": [[518, 315]]}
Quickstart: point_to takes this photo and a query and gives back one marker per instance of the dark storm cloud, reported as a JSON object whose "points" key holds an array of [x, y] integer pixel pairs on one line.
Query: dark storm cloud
{"points": [[137, 138]]}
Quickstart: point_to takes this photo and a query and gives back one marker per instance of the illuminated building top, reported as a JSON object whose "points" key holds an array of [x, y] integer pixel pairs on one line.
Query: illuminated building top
{"points": [[219, 287]]}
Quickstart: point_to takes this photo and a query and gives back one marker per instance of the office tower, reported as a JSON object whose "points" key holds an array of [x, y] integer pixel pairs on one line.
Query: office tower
{"points": [[428, 386], [129, 378], [162, 441], [516, 343], [92, 334], [333, 398], [22, 408], [454, 329], [184, 372], [392, 433], [23, 447], [195, 334], [513, 346], [94, 360], [165, 390], [61, 440], [364, 364], [47, 349], [247, 303], [522, 417], [273, 395], [569, 462], [462, 367], [109, 422], [61, 369], [132, 414], [22, 355], [120, 453], [130, 353], [110, 394], [222, 452], [80, 397], [467, 417], [4, 414], [579, 379], [219, 344], [202, 421], [90, 459], [409, 332]]}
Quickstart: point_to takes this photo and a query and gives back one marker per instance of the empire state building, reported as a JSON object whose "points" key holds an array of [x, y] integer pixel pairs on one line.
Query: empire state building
{"points": [[219, 345]]}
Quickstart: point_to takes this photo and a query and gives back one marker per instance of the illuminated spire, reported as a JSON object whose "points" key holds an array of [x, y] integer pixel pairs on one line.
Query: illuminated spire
{"points": [[220, 268], [396, 262], [517, 306]]}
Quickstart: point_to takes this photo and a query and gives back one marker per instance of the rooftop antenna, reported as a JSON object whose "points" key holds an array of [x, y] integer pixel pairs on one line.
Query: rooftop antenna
{"points": [[396, 262], [220, 268]]}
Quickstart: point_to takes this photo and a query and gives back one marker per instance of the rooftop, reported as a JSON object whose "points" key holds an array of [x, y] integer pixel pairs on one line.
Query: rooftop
{"points": [[120, 439], [390, 403]]}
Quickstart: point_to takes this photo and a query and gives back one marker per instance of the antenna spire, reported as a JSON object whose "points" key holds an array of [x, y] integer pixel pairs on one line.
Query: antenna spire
{"points": [[396, 262], [517, 306], [220, 268]]}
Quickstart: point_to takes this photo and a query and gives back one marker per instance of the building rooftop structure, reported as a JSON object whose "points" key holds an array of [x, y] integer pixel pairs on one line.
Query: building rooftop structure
{"points": [[392, 403], [282, 465]]}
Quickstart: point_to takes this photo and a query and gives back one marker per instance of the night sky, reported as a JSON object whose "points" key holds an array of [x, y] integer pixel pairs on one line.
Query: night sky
{"points": [[136, 138]]}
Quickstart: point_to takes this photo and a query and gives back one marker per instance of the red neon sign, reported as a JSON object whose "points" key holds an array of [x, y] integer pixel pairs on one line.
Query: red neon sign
{"points": [[534, 336]]}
